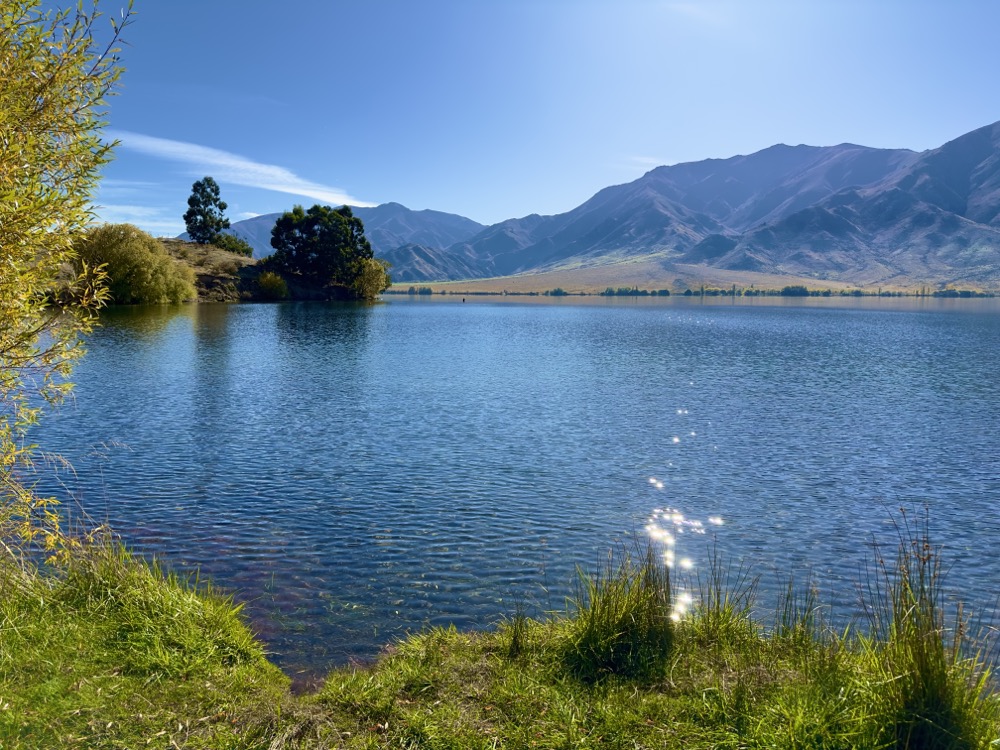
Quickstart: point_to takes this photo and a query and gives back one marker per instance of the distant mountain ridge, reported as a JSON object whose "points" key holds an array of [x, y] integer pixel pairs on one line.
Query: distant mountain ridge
{"points": [[848, 213], [935, 217], [410, 240]]}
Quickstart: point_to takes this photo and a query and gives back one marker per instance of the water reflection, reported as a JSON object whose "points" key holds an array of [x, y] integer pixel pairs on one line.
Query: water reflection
{"points": [[143, 323]]}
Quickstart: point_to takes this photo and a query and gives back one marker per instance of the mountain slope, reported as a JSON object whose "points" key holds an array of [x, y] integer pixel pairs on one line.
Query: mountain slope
{"points": [[844, 213], [387, 227], [935, 218], [672, 209]]}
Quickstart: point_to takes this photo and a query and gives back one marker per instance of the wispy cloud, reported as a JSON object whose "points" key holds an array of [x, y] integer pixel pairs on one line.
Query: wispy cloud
{"points": [[647, 162], [132, 213], [116, 184], [227, 167]]}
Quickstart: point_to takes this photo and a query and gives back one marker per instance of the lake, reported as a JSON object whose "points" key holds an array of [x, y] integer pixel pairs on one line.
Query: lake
{"points": [[353, 473]]}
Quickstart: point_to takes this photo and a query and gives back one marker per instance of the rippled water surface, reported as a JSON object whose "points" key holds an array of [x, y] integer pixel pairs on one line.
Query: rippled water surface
{"points": [[354, 472]]}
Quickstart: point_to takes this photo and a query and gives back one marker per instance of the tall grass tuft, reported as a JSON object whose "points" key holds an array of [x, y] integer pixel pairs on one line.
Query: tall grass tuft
{"points": [[516, 630], [935, 690], [622, 622], [723, 606], [799, 620]]}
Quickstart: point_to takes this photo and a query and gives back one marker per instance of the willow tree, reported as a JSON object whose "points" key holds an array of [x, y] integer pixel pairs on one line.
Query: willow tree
{"points": [[55, 77]]}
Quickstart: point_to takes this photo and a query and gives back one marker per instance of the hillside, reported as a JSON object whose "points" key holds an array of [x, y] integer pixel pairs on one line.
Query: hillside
{"points": [[220, 276], [935, 217], [834, 215]]}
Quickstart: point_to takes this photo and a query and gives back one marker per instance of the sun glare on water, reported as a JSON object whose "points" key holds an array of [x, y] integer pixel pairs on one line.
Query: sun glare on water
{"points": [[667, 527]]}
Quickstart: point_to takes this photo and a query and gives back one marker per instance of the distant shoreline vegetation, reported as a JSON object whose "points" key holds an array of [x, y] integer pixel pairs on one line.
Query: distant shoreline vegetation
{"points": [[223, 272], [705, 291]]}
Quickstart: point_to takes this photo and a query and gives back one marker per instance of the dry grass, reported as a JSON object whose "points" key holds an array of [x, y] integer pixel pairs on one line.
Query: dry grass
{"points": [[647, 272], [218, 272]]}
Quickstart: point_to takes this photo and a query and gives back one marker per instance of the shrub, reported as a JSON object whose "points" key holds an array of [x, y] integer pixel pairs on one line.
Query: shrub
{"points": [[371, 279], [270, 286], [233, 244], [231, 267], [796, 290], [139, 271]]}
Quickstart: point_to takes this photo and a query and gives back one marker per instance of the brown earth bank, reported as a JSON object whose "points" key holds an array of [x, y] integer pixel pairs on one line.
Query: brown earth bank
{"points": [[220, 276]]}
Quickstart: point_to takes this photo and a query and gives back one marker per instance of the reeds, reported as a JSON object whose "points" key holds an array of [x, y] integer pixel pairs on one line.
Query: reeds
{"points": [[936, 685], [622, 623]]}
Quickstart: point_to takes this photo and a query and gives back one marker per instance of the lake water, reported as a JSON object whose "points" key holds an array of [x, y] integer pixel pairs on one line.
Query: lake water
{"points": [[357, 472]]}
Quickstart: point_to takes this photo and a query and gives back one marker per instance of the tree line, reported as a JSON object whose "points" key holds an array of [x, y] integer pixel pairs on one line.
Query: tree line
{"points": [[319, 253], [322, 250]]}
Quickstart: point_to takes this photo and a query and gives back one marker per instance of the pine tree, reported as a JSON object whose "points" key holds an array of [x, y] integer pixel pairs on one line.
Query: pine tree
{"points": [[204, 218]]}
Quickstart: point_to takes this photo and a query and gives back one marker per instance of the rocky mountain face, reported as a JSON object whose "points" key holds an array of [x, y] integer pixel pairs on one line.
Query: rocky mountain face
{"points": [[935, 217], [847, 213]]}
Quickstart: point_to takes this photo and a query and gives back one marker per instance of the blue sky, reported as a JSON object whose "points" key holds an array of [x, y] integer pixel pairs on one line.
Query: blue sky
{"points": [[495, 109]]}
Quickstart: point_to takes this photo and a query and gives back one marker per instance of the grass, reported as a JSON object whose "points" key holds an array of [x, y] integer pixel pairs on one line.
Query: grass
{"points": [[110, 652], [646, 272], [622, 625]]}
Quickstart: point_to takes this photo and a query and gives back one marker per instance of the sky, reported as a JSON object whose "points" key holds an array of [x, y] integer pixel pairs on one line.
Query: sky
{"points": [[495, 109]]}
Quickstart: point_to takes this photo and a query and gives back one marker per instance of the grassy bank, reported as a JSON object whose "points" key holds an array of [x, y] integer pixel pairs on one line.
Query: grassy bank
{"points": [[220, 275], [106, 652]]}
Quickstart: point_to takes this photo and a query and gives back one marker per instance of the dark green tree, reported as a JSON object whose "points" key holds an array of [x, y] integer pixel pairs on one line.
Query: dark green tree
{"points": [[327, 247], [204, 218], [794, 291], [233, 244]]}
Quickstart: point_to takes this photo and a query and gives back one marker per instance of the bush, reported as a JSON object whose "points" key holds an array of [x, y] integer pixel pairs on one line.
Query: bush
{"points": [[796, 290], [138, 268], [270, 286], [371, 279], [233, 244]]}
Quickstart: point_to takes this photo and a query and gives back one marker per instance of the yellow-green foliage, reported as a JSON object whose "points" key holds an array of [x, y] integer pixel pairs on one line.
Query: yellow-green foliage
{"points": [[270, 286], [372, 278], [138, 268], [54, 77]]}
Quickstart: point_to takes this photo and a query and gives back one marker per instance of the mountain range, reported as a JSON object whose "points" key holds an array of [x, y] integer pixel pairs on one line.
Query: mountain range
{"points": [[845, 213]]}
